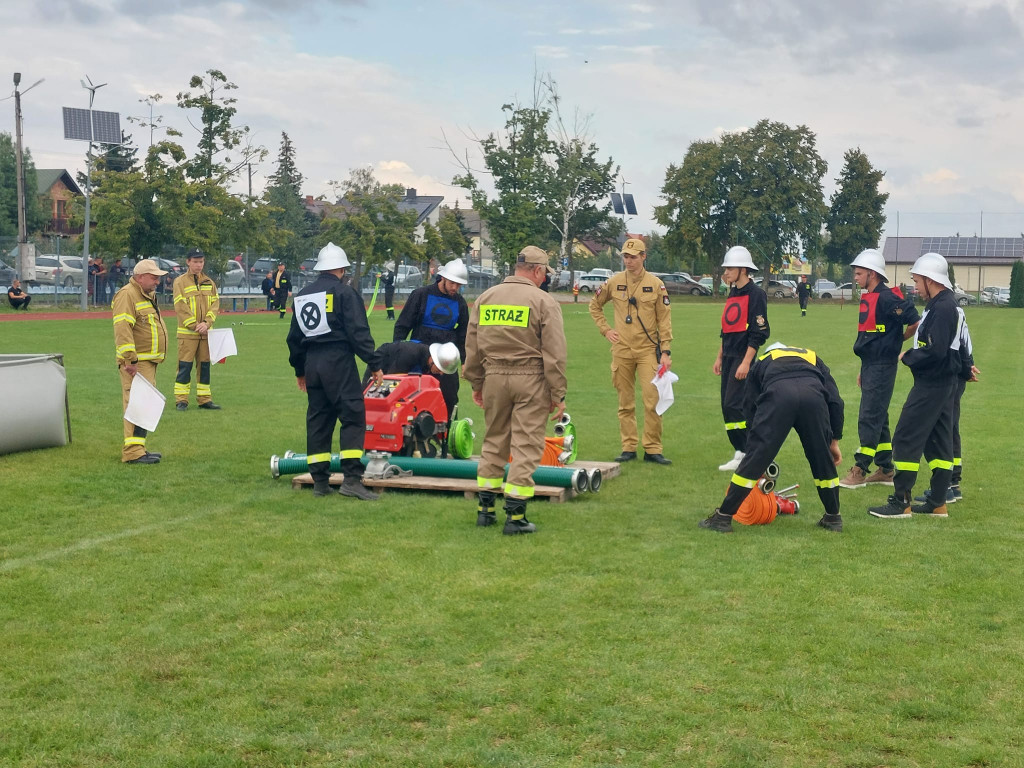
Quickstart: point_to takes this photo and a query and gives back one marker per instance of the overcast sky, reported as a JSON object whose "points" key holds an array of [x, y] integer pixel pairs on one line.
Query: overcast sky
{"points": [[931, 91]]}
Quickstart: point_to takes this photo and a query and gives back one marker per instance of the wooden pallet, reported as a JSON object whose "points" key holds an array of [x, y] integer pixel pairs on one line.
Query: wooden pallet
{"points": [[468, 488]]}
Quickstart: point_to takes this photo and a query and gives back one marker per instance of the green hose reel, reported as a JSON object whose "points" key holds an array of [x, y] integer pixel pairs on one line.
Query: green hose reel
{"points": [[460, 438]]}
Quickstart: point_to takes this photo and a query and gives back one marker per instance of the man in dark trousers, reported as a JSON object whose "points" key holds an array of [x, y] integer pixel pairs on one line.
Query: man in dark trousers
{"points": [[388, 279], [788, 388], [16, 297], [744, 329], [328, 329], [413, 357], [267, 286], [282, 289], [435, 314], [926, 422], [803, 293], [886, 319]]}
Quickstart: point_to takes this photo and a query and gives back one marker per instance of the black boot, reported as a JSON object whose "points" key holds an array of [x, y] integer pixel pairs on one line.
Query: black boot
{"points": [[716, 521], [831, 522], [353, 486], [485, 509], [515, 518], [322, 487]]}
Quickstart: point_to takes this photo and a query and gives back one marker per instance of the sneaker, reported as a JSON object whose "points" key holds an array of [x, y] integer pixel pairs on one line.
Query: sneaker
{"points": [[855, 478], [892, 509], [522, 525], [716, 521], [957, 495], [357, 490], [926, 497], [927, 508], [733, 464], [880, 477], [831, 523]]}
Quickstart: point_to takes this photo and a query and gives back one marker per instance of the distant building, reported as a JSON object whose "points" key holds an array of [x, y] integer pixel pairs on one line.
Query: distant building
{"points": [[977, 261], [57, 189], [426, 207]]}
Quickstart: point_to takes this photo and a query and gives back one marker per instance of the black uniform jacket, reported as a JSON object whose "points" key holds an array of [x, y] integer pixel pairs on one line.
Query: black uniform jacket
{"points": [[935, 354], [433, 317], [792, 366], [346, 316], [746, 314], [883, 316]]}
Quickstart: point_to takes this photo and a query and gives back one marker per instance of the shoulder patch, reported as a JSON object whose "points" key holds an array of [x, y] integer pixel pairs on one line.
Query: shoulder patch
{"points": [[664, 300], [598, 291], [648, 289], [759, 320]]}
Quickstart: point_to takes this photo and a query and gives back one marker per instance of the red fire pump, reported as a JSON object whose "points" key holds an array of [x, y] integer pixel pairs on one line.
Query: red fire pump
{"points": [[404, 415]]}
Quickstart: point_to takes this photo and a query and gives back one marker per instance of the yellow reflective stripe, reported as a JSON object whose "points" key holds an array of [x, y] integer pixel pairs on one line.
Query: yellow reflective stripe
{"points": [[188, 289], [958, 462], [186, 332], [885, 446], [180, 300], [202, 389], [316, 458], [735, 425], [744, 482], [210, 317], [505, 314], [130, 347], [864, 450], [488, 482], [906, 466], [352, 453], [181, 389], [940, 464], [206, 287], [135, 441], [124, 317], [156, 336], [523, 491], [151, 356], [833, 483], [803, 354], [328, 303], [143, 305]]}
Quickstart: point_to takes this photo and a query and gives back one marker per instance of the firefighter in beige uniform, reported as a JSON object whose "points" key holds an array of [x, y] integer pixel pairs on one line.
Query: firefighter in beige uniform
{"points": [[196, 304], [640, 344], [140, 340], [515, 362]]}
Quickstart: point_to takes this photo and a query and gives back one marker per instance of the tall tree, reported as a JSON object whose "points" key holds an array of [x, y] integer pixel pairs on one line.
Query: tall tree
{"points": [[35, 214], [289, 213], [857, 213], [217, 135], [451, 229]]}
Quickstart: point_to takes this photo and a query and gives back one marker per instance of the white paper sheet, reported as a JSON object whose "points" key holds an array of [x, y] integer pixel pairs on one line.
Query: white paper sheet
{"points": [[666, 397], [222, 344], [145, 404]]}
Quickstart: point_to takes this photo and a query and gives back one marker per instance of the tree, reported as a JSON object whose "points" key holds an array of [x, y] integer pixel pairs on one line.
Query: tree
{"points": [[217, 135], [35, 214], [856, 216], [760, 187], [453, 236], [1017, 284], [289, 213]]}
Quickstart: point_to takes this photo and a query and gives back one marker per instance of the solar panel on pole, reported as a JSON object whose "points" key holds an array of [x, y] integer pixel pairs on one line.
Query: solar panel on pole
{"points": [[617, 203], [630, 205], [106, 126]]}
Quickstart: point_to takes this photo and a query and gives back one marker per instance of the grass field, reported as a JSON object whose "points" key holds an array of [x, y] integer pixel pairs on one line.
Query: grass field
{"points": [[200, 613]]}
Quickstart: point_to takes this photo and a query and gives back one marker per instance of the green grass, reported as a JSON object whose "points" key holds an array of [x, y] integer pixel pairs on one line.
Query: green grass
{"points": [[200, 613]]}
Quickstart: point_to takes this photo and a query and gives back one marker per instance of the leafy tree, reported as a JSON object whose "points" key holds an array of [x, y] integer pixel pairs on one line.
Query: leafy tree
{"points": [[284, 196], [433, 243], [36, 214], [453, 236], [1017, 284], [856, 216], [217, 136]]}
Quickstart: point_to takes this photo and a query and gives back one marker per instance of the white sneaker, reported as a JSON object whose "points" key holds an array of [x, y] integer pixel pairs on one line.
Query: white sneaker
{"points": [[734, 464]]}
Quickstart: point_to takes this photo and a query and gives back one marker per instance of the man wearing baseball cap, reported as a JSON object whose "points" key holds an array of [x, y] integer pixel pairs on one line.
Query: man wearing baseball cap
{"points": [[140, 341], [640, 344]]}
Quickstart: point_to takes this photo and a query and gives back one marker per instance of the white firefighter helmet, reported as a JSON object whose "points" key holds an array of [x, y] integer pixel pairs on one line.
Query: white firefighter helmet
{"points": [[455, 270], [331, 256], [445, 356], [934, 266], [389, 266], [738, 256], [873, 260]]}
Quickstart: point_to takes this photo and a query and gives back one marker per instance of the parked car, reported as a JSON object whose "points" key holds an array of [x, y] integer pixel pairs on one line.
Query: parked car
{"points": [[779, 290], [563, 280], [677, 284], [260, 267], [52, 269], [7, 274], [844, 291], [234, 275], [590, 283], [482, 277], [823, 285], [173, 270], [963, 298], [408, 277], [995, 295], [605, 273]]}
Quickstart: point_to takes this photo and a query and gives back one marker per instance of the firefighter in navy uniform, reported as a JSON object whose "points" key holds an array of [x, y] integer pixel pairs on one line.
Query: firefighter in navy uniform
{"points": [[282, 289], [413, 357], [744, 329], [196, 304], [926, 422], [437, 313], [788, 388], [641, 341], [803, 293], [886, 319], [328, 329], [516, 366], [388, 279]]}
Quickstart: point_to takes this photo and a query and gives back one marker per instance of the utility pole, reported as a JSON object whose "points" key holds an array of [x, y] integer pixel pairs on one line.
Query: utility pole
{"points": [[26, 253]]}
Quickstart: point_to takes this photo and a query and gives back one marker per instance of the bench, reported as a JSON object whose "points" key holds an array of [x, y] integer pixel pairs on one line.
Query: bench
{"points": [[241, 294]]}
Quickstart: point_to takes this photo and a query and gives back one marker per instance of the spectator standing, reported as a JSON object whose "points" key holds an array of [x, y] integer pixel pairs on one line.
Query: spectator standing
{"points": [[267, 286], [140, 341], [282, 289], [515, 363], [641, 339]]}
